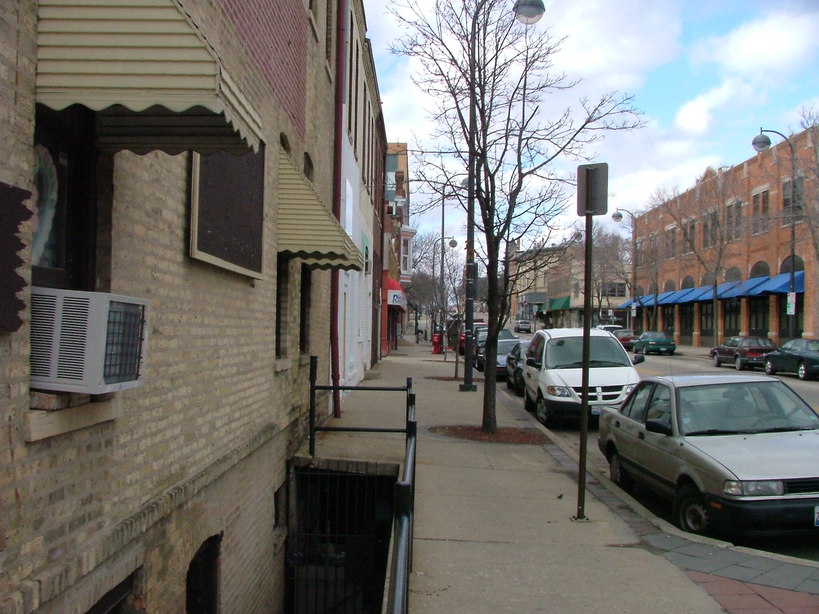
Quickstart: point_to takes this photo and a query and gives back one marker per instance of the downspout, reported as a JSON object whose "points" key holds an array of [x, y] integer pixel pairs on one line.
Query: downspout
{"points": [[341, 40]]}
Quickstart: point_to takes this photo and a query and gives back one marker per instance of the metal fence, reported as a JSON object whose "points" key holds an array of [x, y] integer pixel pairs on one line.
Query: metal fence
{"points": [[403, 521]]}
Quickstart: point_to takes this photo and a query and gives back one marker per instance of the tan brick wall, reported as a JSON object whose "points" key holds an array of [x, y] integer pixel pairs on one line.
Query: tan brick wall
{"points": [[201, 447]]}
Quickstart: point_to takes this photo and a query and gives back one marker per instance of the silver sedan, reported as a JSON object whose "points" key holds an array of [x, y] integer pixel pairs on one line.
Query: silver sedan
{"points": [[733, 453]]}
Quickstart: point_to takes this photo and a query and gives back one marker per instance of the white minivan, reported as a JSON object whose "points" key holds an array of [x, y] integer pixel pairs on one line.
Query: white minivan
{"points": [[553, 373]]}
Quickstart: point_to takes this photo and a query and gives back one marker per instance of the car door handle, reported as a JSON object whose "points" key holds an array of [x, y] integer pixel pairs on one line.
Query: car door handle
{"points": [[617, 423], [642, 435]]}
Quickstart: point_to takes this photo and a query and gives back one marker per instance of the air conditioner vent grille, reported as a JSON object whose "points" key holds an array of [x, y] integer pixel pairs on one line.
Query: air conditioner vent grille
{"points": [[43, 310], [123, 342], [71, 356]]}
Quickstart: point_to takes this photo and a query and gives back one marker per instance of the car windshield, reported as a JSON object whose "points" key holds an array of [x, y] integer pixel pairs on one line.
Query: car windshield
{"points": [[567, 353], [657, 336], [626, 332], [505, 346], [742, 407]]}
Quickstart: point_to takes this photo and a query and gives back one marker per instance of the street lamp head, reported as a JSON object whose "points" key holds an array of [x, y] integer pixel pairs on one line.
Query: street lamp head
{"points": [[529, 11], [453, 243], [617, 216], [761, 142]]}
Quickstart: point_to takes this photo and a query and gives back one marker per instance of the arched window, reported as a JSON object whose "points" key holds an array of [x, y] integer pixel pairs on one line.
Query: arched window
{"points": [[760, 269], [786, 264], [688, 282], [733, 274]]}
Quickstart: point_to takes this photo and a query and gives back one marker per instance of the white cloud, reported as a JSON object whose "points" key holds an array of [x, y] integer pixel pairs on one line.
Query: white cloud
{"points": [[770, 47], [615, 43], [696, 115]]}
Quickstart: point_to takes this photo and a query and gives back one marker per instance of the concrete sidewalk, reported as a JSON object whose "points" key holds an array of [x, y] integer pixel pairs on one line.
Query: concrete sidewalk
{"points": [[494, 528]]}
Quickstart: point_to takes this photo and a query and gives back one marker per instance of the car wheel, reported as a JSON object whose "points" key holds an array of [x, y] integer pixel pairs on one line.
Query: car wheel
{"points": [[645, 350], [508, 381], [715, 360], [738, 364], [528, 404], [541, 413], [617, 474], [769, 368], [802, 371], [690, 512]]}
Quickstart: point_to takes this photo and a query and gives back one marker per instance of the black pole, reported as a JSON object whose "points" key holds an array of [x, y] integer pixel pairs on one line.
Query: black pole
{"points": [[471, 266], [584, 394], [312, 411]]}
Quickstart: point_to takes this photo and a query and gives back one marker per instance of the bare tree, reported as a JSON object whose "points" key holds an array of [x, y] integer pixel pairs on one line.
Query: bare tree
{"points": [[607, 265], [517, 141]]}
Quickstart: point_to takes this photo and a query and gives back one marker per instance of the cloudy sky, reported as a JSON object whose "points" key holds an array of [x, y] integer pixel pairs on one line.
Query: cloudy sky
{"points": [[706, 74]]}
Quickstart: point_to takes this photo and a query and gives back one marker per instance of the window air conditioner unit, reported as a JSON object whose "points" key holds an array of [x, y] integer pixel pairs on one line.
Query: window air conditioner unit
{"points": [[87, 342]]}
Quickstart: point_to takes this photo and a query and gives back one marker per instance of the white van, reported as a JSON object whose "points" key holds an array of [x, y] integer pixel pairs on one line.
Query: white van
{"points": [[553, 373]]}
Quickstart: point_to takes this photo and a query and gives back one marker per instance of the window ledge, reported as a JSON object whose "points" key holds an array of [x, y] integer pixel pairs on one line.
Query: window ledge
{"points": [[42, 424], [282, 364]]}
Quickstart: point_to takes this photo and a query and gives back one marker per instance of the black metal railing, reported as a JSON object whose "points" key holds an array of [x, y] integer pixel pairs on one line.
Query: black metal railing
{"points": [[404, 493]]}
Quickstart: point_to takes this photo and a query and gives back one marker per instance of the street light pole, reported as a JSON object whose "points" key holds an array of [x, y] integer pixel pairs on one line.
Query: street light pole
{"points": [[617, 216], [760, 143], [469, 300], [526, 12]]}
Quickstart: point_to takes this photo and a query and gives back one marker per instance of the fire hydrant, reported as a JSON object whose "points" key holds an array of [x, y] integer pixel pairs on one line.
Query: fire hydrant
{"points": [[436, 343]]}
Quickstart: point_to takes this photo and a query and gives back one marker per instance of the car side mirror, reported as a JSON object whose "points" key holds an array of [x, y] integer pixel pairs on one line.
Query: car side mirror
{"points": [[636, 360], [531, 362], [658, 426]]}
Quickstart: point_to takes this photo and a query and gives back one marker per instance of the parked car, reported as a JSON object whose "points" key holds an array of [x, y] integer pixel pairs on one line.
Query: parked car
{"points": [[800, 356], [480, 342], [523, 326], [462, 335], [504, 347], [626, 337], [742, 352], [733, 453], [654, 341], [553, 373], [514, 366], [612, 328]]}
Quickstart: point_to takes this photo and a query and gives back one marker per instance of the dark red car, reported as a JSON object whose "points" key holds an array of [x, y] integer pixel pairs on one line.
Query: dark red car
{"points": [[626, 337], [742, 351]]}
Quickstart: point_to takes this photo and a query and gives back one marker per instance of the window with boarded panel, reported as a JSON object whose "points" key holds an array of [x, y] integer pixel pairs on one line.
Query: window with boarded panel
{"points": [[227, 210]]}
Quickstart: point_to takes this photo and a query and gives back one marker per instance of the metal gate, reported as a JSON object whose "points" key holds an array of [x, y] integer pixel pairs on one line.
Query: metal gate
{"points": [[338, 541]]}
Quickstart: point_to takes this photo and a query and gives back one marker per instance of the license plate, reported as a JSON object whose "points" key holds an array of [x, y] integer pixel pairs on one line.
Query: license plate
{"points": [[595, 411], [816, 516]]}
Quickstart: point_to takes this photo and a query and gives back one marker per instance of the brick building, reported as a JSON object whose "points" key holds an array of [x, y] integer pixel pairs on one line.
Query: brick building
{"points": [[174, 164], [730, 237]]}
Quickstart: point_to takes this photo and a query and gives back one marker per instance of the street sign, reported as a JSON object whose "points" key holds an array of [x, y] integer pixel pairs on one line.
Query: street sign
{"points": [[592, 189], [791, 307]]}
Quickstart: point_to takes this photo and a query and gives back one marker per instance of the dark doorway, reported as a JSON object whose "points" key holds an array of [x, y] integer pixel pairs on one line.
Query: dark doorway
{"points": [[202, 584]]}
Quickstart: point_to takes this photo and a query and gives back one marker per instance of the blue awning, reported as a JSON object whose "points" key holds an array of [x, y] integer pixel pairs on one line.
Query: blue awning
{"points": [[721, 290], [781, 284], [664, 295], [675, 296], [626, 304], [745, 287], [695, 295]]}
